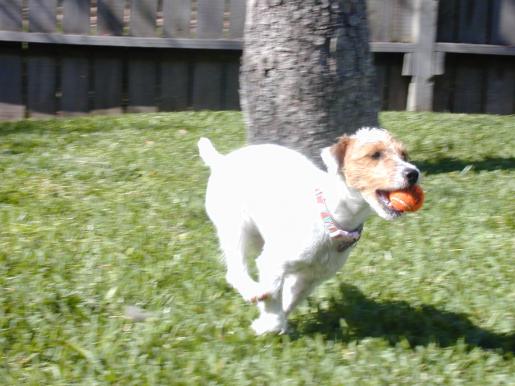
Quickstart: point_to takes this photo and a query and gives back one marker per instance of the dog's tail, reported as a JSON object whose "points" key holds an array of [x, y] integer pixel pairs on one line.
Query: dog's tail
{"points": [[208, 153]]}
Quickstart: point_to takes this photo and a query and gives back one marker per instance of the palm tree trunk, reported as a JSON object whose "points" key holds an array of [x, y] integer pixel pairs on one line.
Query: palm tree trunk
{"points": [[307, 75]]}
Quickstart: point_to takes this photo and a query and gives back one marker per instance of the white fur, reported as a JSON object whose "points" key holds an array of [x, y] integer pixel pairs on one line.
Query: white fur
{"points": [[262, 198], [371, 135]]}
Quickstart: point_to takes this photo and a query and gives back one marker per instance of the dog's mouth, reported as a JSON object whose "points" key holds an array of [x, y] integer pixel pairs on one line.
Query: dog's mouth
{"points": [[386, 204]]}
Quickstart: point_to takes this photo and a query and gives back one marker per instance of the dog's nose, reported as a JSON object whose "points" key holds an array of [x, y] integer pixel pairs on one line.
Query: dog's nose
{"points": [[411, 176]]}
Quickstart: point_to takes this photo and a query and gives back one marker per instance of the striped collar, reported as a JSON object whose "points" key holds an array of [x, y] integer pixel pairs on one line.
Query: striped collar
{"points": [[343, 238]]}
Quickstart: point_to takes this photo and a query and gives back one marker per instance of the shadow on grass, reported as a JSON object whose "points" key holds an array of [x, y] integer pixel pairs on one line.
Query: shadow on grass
{"points": [[397, 321], [446, 165]]}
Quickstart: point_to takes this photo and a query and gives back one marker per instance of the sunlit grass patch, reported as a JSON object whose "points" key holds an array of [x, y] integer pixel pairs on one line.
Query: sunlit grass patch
{"points": [[100, 214]]}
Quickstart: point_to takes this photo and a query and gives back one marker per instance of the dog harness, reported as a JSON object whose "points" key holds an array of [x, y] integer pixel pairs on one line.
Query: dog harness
{"points": [[342, 238]]}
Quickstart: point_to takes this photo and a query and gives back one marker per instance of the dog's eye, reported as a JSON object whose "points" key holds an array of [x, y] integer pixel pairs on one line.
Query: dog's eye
{"points": [[377, 155], [404, 156]]}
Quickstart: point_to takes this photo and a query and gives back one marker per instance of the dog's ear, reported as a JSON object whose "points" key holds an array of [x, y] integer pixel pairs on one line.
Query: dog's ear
{"points": [[333, 156]]}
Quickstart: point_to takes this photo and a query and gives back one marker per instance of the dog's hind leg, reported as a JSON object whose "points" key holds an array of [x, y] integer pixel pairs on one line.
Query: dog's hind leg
{"points": [[236, 244]]}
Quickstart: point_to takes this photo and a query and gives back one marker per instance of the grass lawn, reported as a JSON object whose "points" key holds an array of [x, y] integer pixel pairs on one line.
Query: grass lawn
{"points": [[110, 272]]}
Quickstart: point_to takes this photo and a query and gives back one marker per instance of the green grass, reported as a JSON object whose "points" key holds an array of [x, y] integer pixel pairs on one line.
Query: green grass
{"points": [[100, 214]]}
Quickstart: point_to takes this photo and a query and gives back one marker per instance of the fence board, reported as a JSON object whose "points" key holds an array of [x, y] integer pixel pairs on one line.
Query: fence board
{"points": [[174, 84], [472, 21], [231, 85], [500, 88], [41, 85], [210, 18], [237, 11], [447, 20], [11, 15], [41, 63], [444, 87], [400, 16], [143, 18], [142, 84], [42, 15], [74, 64], [390, 21], [176, 18], [375, 11], [76, 16], [110, 17], [467, 91], [11, 101], [107, 79], [397, 85], [380, 69], [207, 84], [75, 84], [142, 42], [503, 22]]}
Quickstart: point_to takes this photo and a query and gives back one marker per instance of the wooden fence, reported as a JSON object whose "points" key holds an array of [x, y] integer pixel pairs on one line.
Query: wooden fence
{"points": [[70, 57]]}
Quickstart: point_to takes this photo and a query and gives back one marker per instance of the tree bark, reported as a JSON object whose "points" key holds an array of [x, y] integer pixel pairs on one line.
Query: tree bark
{"points": [[307, 74]]}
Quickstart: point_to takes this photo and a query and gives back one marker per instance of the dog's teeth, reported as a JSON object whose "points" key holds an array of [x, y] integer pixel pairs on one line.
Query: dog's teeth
{"points": [[383, 199]]}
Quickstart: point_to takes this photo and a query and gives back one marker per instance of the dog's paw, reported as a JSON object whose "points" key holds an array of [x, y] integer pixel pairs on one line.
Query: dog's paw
{"points": [[269, 324], [255, 293], [259, 298]]}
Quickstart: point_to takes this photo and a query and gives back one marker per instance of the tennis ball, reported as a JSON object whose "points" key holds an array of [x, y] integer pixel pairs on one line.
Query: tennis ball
{"points": [[407, 200]]}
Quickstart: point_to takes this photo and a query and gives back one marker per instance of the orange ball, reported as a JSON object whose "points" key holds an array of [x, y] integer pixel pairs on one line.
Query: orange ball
{"points": [[407, 200]]}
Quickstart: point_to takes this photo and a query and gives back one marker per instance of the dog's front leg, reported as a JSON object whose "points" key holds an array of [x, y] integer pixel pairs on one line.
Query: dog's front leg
{"points": [[271, 316], [295, 288]]}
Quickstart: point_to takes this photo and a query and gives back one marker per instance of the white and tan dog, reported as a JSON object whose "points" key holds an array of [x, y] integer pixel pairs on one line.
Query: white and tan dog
{"points": [[301, 222]]}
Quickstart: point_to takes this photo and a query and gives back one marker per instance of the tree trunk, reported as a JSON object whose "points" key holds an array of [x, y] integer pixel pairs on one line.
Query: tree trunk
{"points": [[307, 75]]}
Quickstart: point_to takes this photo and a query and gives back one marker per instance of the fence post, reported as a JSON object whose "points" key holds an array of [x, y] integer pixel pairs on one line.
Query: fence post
{"points": [[11, 66], [424, 62]]}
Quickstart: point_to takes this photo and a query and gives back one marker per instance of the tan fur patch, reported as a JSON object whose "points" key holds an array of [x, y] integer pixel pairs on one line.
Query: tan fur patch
{"points": [[370, 164], [340, 149]]}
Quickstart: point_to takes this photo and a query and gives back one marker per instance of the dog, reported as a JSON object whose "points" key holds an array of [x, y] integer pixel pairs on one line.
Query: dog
{"points": [[300, 221]]}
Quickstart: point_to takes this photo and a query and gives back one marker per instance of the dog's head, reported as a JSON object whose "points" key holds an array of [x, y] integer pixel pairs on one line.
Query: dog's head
{"points": [[373, 163]]}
